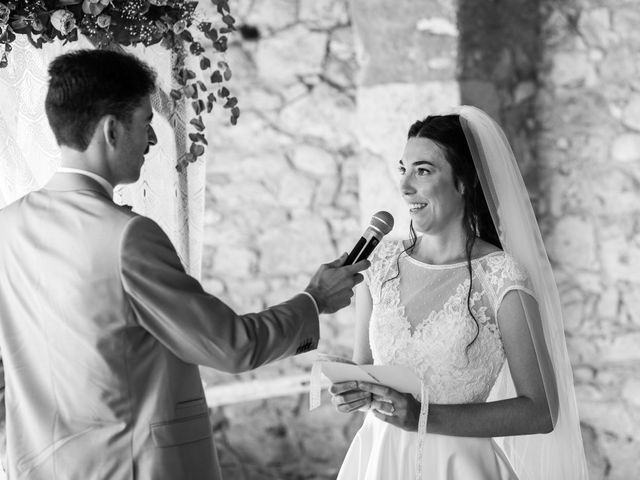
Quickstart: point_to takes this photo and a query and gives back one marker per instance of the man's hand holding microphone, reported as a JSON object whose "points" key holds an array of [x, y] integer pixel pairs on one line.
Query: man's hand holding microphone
{"points": [[332, 284]]}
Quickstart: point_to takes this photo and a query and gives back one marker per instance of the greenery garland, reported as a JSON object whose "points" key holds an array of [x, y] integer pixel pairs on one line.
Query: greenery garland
{"points": [[134, 22]]}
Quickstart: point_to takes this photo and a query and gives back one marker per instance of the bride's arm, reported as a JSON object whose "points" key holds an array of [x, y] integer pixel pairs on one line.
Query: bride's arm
{"points": [[361, 348], [345, 396], [528, 413]]}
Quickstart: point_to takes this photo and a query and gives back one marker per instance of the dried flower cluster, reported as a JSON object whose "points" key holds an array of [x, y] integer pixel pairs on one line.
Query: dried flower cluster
{"points": [[133, 22]]}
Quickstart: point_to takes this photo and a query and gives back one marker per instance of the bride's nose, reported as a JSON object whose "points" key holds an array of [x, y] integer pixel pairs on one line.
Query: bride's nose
{"points": [[406, 185]]}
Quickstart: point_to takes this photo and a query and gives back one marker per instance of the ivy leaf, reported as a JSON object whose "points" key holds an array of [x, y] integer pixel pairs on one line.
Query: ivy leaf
{"points": [[196, 150], [212, 34], [197, 122], [198, 137], [202, 86], [191, 91], [216, 77], [235, 112], [223, 92], [186, 36], [176, 94], [228, 20], [227, 74], [205, 63], [196, 48], [231, 102], [221, 44], [198, 106], [190, 74], [182, 163], [233, 120]]}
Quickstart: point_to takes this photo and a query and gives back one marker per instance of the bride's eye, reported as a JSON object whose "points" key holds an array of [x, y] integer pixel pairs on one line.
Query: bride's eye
{"points": [[423, 171]]}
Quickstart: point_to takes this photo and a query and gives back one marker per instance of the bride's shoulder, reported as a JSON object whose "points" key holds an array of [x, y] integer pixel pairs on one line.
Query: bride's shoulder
{"points": [[482, 248], [499, 264]]}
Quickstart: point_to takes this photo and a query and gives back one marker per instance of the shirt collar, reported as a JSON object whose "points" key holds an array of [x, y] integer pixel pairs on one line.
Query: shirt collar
{"points": [[101, 180]]}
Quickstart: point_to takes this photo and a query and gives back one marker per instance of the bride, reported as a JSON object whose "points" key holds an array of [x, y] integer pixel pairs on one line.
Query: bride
{"points": [[471, 307]]}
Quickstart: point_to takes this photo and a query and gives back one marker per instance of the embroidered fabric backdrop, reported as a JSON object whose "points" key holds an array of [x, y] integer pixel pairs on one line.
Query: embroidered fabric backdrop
{"points": [[29, 154]]}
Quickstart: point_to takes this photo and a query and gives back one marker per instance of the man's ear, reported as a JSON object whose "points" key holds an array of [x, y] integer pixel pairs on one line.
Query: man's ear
{"points": [[110, 130]]}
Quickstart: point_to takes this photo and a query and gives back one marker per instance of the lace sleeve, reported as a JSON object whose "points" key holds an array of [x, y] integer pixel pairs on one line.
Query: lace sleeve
{"points": [[504, 274]]}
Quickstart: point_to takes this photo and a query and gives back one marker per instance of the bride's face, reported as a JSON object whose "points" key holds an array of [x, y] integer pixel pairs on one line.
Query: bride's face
{"points": [[427, 185]]}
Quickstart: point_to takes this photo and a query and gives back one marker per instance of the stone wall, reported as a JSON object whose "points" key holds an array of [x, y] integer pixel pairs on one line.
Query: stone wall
{"points": [[328, 89], [589, 167], [282, 198]]}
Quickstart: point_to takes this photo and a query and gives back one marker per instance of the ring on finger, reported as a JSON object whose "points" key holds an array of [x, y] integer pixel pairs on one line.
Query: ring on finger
{"points": [[392, 408]]}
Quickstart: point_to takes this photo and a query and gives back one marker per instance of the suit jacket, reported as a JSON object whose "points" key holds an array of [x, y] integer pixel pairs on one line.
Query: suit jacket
{"points": [[101, 332]]}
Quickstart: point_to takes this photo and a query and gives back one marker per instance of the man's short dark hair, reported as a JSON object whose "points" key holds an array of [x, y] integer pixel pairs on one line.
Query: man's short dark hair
{"points": [[86, 85]]}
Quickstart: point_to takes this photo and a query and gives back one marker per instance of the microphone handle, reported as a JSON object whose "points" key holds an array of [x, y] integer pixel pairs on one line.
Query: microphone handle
{"points": [[368, 248], [354, 253]]}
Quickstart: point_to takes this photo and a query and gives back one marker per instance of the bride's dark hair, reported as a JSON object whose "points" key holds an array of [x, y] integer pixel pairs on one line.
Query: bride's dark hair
{"points": [[447, 132]]}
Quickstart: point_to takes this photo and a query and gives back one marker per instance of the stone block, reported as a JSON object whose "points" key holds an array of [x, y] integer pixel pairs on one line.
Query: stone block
{"points": [[625, 21], [609, 303], [622, 349], [324, 14], [622, 455], [614, 190], [296, 190], [573, 244], [326, 114], [234, 261], [626, 148], [314, 160], [631, 113], [271, 14], [620, 253], [572, 69], [631, 392], [299, 246], [342, 44], [414, 33], [595, 27], [278, 62], [597, 463]]}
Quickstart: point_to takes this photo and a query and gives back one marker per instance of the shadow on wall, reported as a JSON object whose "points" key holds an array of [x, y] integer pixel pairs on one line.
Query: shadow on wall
{"points": [[499, 54]]}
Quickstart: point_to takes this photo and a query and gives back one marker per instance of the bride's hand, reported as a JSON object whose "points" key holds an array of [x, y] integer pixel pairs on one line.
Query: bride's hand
{"points": [[346, 397], [399, 409]]}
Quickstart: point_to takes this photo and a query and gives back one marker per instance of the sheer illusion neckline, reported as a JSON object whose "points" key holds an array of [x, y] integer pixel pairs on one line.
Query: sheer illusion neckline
{"points": [[445, 266]]}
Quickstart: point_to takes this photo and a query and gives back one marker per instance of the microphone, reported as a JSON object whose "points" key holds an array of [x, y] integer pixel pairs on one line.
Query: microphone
{"points": [[381, 224]]}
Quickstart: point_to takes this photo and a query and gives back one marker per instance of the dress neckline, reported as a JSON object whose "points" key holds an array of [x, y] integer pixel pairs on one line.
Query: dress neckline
{"points": [[444, 266]]}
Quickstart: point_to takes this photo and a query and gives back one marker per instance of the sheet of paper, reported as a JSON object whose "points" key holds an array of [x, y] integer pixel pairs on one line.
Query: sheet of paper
{"points": [[399, 378]]}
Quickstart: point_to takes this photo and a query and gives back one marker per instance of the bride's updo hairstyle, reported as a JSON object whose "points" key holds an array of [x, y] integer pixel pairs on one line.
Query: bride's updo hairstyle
{"points": [[446, 131]]}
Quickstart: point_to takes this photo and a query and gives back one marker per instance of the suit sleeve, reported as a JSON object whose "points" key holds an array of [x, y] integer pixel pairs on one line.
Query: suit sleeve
{"points": [[196, 326]]}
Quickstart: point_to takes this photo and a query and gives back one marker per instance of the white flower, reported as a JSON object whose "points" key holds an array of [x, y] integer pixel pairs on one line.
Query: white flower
{"points": [[104, 21], [4, 14], [179, 27], [94, 7], [159, 3], [63, 21]]}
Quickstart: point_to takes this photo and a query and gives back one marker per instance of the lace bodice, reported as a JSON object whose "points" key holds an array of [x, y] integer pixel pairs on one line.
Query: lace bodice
{"points": [[420, 319]]}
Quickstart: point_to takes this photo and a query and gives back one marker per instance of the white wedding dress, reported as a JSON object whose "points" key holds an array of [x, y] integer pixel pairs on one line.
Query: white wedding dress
{"points": [[420, 320]]}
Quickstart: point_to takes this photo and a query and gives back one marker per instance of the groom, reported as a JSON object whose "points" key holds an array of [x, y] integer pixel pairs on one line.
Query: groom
{"points": [[101, 329]]}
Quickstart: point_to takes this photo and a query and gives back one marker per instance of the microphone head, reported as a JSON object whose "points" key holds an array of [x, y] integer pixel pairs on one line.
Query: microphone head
{"points": [[382, 221]]}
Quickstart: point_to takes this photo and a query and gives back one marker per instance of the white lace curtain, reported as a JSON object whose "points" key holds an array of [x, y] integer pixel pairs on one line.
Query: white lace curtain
{"points": [[29, 154]]}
